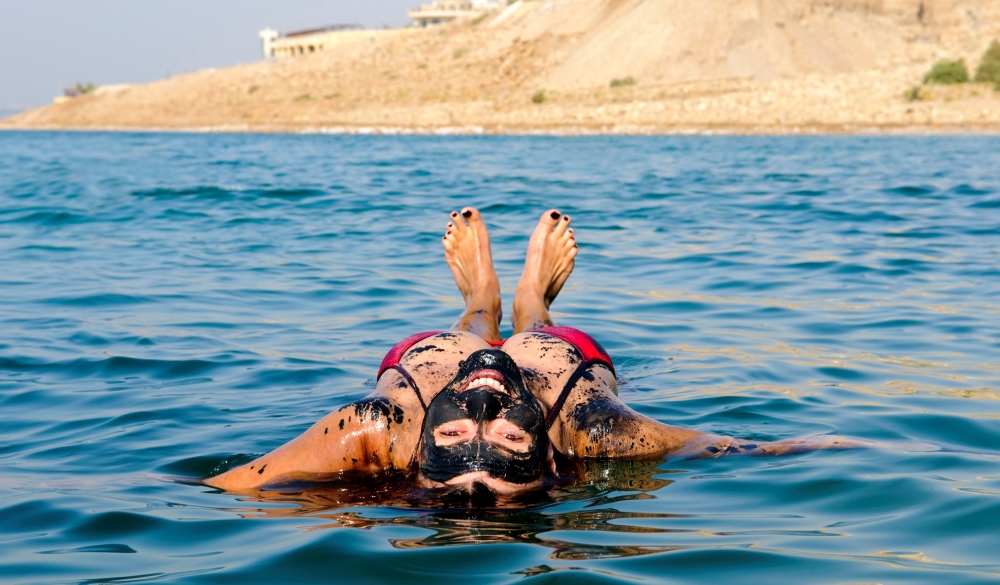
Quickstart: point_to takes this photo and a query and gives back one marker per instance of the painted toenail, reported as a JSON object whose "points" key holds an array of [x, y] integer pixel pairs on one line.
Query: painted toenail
{"points": [[555, 215], [565, 218], [454, 214], [466, 213]]}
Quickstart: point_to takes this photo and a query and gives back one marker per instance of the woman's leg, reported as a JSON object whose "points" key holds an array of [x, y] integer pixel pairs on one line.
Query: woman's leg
{"points": [[549, 262], [467, 252]]}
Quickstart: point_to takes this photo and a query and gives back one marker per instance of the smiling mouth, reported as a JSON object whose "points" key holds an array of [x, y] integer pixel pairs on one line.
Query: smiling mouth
{"points": [[487, 378]]}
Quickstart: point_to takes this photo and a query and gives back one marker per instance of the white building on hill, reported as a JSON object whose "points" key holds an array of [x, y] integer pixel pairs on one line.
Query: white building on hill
{"points": [[275, 45], [444, 11]]}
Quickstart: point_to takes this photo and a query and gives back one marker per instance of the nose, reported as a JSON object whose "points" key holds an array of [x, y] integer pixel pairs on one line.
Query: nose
{"points": [[491, 358], [483, 405]]}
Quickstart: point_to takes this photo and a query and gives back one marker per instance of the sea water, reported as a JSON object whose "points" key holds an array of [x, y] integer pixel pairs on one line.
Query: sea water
{"points": [[171, 304]]}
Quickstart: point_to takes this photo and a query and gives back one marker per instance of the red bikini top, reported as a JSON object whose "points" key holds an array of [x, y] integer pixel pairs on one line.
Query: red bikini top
{"points": [[589, 349]]}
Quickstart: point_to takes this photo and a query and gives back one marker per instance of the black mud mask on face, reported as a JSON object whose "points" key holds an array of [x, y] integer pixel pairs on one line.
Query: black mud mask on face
{"points": [[481, 405]]}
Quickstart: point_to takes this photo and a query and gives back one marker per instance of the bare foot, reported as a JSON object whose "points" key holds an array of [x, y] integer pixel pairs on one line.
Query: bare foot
{"points": [[549, 262], [467, 252]]}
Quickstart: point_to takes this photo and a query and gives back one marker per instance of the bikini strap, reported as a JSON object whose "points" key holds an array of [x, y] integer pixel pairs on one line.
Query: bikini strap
{"points": [[391, 361], [570, 384], [590, 352], [413, 383]]}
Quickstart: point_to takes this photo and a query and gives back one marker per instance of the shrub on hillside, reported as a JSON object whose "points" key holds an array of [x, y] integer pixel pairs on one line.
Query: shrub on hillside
{"points": [[947, 72], [989, 68], [538, 97], [624, 81], [79, 89]]}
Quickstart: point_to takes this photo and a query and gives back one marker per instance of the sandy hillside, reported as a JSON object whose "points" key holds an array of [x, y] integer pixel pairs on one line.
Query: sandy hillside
{"points": [[733, 65]]}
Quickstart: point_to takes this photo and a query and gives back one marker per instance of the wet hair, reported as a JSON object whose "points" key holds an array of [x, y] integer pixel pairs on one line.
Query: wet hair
{"points": [[482, 405]]}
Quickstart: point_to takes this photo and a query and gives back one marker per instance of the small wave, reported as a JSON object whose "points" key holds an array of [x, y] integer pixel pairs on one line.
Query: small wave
{"points": [[844, 374], [917, 233], [94, 548], [290, 194], [50, 218], [206, 192], [966, 189], [813, 265], [870, 217], [276, 378], [99, 300], [851, 268], [116, 523], [120, 366], [39, 248], [787, 177], [911, 190]]}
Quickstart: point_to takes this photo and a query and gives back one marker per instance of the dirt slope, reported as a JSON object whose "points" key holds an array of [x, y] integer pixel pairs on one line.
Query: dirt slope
{"points": [[669, 41]]}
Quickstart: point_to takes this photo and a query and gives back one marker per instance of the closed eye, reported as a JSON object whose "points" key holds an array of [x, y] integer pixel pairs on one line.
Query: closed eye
{"points": [[455, 431], [505, 433]]}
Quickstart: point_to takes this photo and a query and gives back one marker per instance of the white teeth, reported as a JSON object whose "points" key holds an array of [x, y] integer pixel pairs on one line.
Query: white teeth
{"points": [[487, 382]]}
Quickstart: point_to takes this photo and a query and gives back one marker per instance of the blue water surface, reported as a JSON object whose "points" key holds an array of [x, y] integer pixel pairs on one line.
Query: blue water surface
{"points": [[170, 304]]}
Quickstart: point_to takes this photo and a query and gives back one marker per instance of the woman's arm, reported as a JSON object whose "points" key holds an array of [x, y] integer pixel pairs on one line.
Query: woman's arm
{"points": [[596, 424], [724, 446], [360, 436]]}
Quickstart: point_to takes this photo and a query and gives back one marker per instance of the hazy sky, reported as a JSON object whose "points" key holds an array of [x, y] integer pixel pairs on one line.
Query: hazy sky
{"points": [[46, 45]]}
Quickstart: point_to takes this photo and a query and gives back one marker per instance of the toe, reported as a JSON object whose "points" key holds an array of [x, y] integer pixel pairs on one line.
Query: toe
{"points": [[549, 219], [472, 216], [561, 226]]}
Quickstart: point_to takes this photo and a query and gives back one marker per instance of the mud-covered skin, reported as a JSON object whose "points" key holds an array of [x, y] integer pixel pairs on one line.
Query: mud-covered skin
{"points": [[593, 422], [381, 432], [442, 462], [375, 434]]}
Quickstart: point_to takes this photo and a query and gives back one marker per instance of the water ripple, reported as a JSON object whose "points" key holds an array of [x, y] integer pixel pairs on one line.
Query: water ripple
{"points": [[171, 303]]}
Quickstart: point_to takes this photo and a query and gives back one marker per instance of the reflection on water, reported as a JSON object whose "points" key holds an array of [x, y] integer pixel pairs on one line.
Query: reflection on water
{"points": [[526, 519]]}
